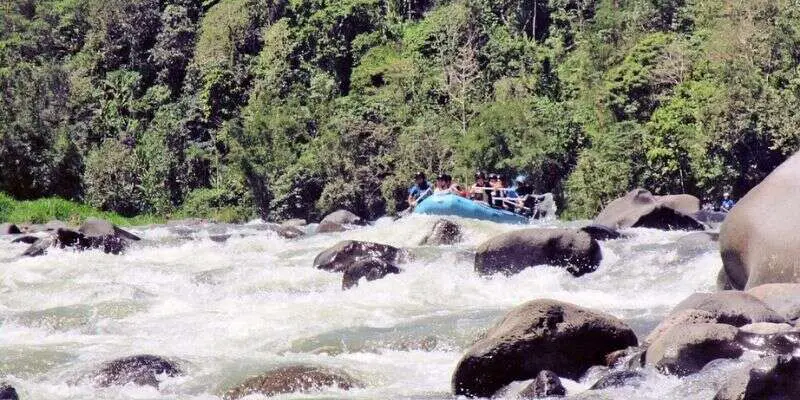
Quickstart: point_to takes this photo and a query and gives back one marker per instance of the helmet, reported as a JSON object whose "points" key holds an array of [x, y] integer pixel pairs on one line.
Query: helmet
{"points": [[419, 175], [480, 175], [520, 179], [726, 194], [443, 177]]}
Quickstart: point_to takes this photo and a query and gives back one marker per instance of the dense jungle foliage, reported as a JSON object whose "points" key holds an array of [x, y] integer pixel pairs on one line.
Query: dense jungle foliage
{"points": [[292, 108]]}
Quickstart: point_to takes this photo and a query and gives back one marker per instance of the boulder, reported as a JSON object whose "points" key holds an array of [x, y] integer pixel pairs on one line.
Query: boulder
{"points": [[639, 208], [546, 384], [370, 268], [766, 328], [139, 369], [776, 377], [444, 232], [342, 217], [295, 222], [770, 339], [758, 240], [96, 234], [293, 379], [330, 227], [685, 349], [27, 239], [731, 307], [9, 229], [511, 252], [7, 392], [680, 317], [287, 231], [340, 256], [784, 298], [39, 247], [535, 336], [619, 379], [601, 232], [682, 203], [696, 243], [710, 217]]}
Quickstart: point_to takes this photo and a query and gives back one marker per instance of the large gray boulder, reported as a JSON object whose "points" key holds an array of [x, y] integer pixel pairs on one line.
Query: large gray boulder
{"points": [[342, 255], [369, 268], [758, 240], [299, 378], [142, 370], [535, 336], [686, 349], [546, 384], [444, 232], [680, 317], [784, 298], [731, 307], [342, 217], [774, 378], [511, 252], [696, 243], [639, 208]]}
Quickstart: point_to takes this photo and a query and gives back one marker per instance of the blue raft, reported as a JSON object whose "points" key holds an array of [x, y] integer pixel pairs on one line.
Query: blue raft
{"points": [[451, 204]]}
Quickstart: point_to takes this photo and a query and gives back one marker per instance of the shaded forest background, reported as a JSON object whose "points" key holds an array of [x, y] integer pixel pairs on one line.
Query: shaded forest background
{"points": [[292, 108]]}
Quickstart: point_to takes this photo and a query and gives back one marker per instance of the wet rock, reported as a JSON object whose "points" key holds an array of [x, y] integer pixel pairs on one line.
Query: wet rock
{"points": [[7, 392], [546, 384], [619, 379], [342, 217], [685, 349], [330, 227], [535, 336], [683, 203], [776, 377], [219, 237], [284, 231], [369, 268], [39, 247], [624, 356], [293, 379], [696, 243], [139, 369], [94, 234], [444, 232], [601, 232], [770, 340], [758, 240], [27, 239], [9, 229], [514, 251], [731, 307], [340, 256], [639, 208], [680, 317], [710, 217], [294, 222], [784, 298]]}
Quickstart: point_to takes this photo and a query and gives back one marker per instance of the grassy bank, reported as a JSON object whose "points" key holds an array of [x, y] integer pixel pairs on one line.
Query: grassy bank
{"points": [[47, 209]]}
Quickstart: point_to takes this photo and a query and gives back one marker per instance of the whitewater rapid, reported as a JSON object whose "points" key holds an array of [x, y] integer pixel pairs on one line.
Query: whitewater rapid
{"points": [[230, 310]]}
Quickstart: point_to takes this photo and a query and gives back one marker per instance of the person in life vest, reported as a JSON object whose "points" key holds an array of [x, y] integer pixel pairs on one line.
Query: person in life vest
{"points": [[419, 190], [727, 203]]}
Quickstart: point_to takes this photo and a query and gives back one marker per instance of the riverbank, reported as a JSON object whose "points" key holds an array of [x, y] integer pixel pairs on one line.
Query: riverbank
{"points": [[40, 211]]}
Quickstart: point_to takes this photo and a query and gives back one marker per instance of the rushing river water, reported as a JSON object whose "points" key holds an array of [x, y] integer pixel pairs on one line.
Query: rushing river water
{"points": [[230, 310]]}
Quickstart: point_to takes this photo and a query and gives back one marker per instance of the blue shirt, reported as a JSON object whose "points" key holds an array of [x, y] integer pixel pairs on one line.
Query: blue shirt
{"points": [[416, 191], [727, 204]]}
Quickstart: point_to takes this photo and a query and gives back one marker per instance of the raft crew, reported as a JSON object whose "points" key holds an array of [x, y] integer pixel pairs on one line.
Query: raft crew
{"points": [[727, 203]]}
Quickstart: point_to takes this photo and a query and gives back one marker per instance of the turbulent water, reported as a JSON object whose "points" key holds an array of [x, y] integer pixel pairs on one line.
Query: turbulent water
{"points": [[229, 310]]}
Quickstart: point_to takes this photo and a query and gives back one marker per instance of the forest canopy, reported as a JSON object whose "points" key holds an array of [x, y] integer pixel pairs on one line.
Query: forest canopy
{"points": [[232, 109]]}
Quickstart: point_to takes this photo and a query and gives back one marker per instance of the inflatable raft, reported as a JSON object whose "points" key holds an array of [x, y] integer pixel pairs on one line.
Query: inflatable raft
{"points": [[451, 204]]}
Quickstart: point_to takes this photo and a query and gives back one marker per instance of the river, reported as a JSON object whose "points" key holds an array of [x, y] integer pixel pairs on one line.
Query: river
{"points": [[233, 309]]}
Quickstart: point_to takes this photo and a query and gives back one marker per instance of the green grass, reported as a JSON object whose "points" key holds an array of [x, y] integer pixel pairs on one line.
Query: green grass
{"points": [[44, 210]]}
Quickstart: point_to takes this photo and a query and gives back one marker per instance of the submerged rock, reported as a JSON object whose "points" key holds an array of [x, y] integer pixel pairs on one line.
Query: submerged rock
{"points": [[535, 336], [369, 268], [619, 379], [444, 232], [601, 232], [686, 349], [776, 377], [546, 384], [293, 379], [342, 255], [514, 251], [140, 369], [27, 239], [342, 217], [639, 208]]}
